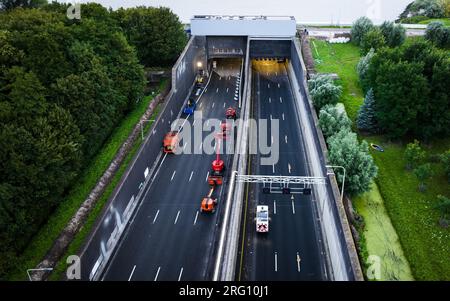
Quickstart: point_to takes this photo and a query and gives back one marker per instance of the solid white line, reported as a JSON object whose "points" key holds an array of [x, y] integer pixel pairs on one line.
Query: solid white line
{"points": [[274, 207], [157, 273], [176, 218], [173, 175], [132, 272], [196, 216], [156, 216], [162, 161], [181, 273], [207, 175], [293, 208], [190, 178], [276, 262], [298, 262]]}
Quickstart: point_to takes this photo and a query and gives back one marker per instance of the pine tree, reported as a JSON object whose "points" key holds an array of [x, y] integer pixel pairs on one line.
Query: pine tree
{"points": [[366, 115]]}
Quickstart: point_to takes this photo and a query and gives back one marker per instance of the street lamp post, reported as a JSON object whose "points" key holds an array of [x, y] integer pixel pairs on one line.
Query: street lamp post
{"points": [[343, 180], [35, 270], [142, 128]]}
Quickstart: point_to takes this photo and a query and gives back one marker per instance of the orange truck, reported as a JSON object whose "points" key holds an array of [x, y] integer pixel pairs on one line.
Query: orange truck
{"points": [[170, 142]]}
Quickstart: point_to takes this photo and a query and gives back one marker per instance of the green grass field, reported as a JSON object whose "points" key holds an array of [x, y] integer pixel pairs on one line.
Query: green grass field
{"points": [[44, 239], [425, 245], [446, 21]]}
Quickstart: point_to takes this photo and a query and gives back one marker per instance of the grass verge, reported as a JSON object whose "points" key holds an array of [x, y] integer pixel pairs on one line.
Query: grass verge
{"points": [[446, 21], [46, 236], [425, 245]]}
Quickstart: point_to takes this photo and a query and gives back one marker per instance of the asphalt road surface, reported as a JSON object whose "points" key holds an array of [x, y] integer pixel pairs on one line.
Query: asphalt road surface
{"points": [[292, 249], [169, 238]]}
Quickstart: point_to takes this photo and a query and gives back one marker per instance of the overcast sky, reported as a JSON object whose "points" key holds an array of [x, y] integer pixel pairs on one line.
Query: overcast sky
{"points": [[320, 11]]}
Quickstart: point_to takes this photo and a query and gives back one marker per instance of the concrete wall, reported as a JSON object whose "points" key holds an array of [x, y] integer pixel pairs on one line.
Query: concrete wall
{"points": [[343, 257], [229, 46], [270, 48]]}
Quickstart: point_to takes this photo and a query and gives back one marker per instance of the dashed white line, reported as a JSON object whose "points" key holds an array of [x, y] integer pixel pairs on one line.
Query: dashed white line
{"points": [[176, 218], [281, 100], [270, 100], [181, 273], [285, 138], [298, 262], [196, 216], [278, 85], [132, 272], [273, 168], [276, 262], [190, 178], [213, 105], [173, 175], [207, 175], [224, 104], [156, 216], [157, 273], [282, 115], [227, 90], [274, 207], [289, 167], [217, 90], [293, 208], [268, 86]]}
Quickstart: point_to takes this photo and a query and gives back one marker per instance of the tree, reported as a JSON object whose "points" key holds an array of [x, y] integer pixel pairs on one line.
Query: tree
{"points": [[429, 8], [366, 120], [11, 4], [373, 39], [394, 35], [363, 67], [157, 34], [443, 205], [332, 119], [438, 34], [423, 173], [346, 151], [445, 159], [323, 90], [414, 154], [360, 28]]}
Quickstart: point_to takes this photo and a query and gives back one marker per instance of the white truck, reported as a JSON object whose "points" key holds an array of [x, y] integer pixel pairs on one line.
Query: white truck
{"points": [[262, 219]]}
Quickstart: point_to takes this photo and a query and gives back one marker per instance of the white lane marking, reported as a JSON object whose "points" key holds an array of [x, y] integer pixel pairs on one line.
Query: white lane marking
{"points": [[224, 104], [190, 178], [196, 216], [293, 208], [194, 121], [206, 89], [274, 207], [227, 90], [213, 105], [281, 100], [200, 147], [278, 85], [276, 262], [156, 216], [181, 273], [273, 168], [132, 272], [157, 273], [270, 116], [271, 139], [285, 138], [207, 175], [156, 173], [289, 167], [282, 115], [173, 175], [176, 218], [268, 86], [298, 262], [217, 90], [270, 100]]}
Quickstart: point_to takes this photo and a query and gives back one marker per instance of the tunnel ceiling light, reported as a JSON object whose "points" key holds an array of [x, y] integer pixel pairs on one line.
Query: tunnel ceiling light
{"points": [[199, 64]]}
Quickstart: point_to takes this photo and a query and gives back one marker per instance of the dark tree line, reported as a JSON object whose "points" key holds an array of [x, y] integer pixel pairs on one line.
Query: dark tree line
{"points": [[64, 86]]}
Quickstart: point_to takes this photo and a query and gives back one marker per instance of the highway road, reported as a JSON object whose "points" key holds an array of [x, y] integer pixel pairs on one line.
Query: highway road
{"points": [[292, 249], [168, 238]]}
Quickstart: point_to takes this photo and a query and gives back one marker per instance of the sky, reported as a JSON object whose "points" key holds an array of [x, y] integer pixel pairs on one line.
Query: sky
{"points": [[338, 12]]}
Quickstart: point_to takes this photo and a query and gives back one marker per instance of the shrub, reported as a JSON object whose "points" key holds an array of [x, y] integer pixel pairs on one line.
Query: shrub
{"points": [[438, 34], [323, 91], [414, 154], [394, 35], [359, 29], [372, 39], [332, 119], [443, 205], [445, 159], [423, 173], [362, 67], [346, 151]]}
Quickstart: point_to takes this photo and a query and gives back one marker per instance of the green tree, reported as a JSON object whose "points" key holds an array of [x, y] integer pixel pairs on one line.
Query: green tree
{"points": [[445, 159], [157, 34], [346, 151], [366, 120], [332, 120], [438, 34], [414, 154], [11, 4], [423, 173], [443, 205], [394, 35], [323, 91], [360, 28], [363, 67], [373, 39]]}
